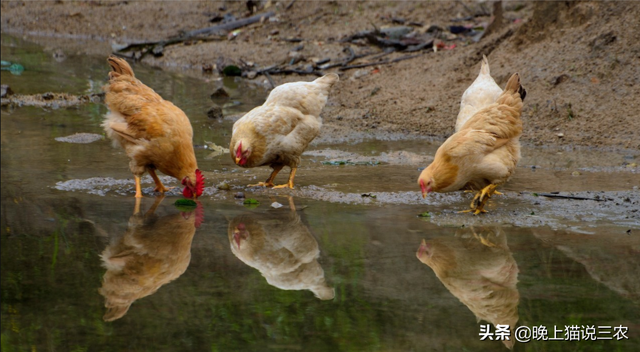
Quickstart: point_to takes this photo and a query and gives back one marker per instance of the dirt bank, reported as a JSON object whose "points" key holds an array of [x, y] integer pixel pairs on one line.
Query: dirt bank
{"points": [[578, 60]]}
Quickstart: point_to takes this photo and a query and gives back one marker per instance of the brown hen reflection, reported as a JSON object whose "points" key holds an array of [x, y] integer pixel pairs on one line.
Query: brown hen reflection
{"points": [[153, 252], [477, 267], [282, 248]]}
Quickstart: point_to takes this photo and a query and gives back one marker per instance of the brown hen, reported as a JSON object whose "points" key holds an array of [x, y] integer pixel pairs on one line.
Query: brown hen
{"points": [[155, 134]]}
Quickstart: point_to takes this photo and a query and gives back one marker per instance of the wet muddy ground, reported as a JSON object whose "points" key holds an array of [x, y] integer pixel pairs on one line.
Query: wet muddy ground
{"points": [[351, 279]]}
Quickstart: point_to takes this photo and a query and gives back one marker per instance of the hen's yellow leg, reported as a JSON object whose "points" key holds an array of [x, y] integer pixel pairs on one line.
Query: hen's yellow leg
{"points": [[291, 176], [269, 181], [138, 188], [155, 205], [159, 186], [292, 205]]}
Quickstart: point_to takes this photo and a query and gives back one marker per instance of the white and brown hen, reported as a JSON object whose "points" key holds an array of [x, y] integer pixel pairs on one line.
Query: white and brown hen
{"points": [[278, 132]]}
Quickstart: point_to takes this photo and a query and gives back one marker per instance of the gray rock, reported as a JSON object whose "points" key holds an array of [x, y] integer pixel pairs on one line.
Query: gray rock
{"points": [[80, 138], [6, 91], [219, 93]]}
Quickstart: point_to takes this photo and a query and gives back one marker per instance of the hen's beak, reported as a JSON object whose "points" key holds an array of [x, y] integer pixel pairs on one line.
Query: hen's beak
{"points": [[424, 189], [237, 237], [238, 160], [422, 249]]}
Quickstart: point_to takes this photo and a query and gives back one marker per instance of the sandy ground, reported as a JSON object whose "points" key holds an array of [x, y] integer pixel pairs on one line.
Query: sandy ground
{"points": [[578, 60]]}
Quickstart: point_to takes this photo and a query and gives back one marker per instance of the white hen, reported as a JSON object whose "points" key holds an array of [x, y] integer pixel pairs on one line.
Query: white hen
{"points": [[481, 93]]}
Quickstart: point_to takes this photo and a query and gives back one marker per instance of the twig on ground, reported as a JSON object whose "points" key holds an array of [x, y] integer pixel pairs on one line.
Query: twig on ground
{"points": [[383, 62], [266, 74], [552, 195], [156, 47]]}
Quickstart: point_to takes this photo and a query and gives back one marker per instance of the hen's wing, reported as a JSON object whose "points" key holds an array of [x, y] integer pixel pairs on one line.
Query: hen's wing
{"points": [[493, 126], [481, 93], [140, 112]]}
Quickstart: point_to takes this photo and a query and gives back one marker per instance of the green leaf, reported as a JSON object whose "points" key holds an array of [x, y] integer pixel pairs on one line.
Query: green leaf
{"points": [[426, 214], [251, 203]]}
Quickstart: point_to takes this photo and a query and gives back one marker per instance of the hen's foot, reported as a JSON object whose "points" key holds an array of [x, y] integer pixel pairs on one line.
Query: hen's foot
{"points": [[159, 186], [162, 189], [262, 184], [485, 241], [289, 184], [475, 211], [286, 185], [481, 199]]}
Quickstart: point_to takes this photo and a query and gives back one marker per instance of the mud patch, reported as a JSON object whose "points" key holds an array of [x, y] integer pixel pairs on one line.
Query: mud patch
{"points": [[512, 208], [102, 186], [50, 100]]}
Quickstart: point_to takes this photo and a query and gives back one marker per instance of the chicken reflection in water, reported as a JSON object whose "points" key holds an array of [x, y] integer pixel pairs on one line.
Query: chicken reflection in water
{"points": [[281, 247], [477, 267], [154, 251]]}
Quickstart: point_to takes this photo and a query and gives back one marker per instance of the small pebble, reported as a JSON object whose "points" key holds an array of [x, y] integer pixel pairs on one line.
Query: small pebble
{"points": [[219, 93], [6, 91], [276, 205], [360, 73], [215, 112], [239, 195], [576, 173], [223, 186]]}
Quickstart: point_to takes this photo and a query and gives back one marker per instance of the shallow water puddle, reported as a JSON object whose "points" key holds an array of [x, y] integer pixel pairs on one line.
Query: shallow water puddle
{"points": [[340, 272]]}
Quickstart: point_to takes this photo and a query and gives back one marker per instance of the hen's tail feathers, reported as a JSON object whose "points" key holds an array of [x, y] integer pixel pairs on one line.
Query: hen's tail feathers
{"points": [[119, 67], [328, 80], [513, 85], [484, 69]]}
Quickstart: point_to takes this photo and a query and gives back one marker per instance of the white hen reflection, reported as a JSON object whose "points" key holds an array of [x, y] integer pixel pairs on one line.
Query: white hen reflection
{"points": [[282, 248], [153, 252], [477, 267]]}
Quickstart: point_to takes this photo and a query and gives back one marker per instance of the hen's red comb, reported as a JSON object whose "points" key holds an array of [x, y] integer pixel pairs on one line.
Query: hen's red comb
{"points": [[239, 150], [199, 183], [199, 215]]}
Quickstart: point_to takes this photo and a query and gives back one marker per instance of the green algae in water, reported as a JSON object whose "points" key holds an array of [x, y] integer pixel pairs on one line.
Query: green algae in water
{"points": [[185, 204]]}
